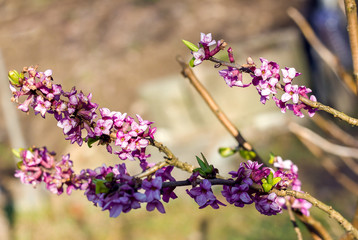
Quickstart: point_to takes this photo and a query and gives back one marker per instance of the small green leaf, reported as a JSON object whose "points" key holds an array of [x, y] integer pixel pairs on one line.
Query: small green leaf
{"points": [[109, 177], [19, 164], [248, 155], [267, 187], [226, 151], [191, 46], [276, 180], [201, 172], [201, 163], [209, 169], [272, 158], [91, 141], [100, 186], [17, 152], [205, 161], [191, 63], [270, 178]]}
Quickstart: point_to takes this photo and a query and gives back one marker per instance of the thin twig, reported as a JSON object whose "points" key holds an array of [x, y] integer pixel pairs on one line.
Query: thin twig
{"points": [[328, 209], [328, 164], [326, 55], [343, 179], [171, 158], [152, 170], [334, 131], [292, 218], [327, 146], [351, 13], [320, 106], [318, 232], [188, 73]]}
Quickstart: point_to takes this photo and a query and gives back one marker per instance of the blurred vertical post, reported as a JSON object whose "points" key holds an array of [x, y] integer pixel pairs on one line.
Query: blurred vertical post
{"points": [[30, 199]]}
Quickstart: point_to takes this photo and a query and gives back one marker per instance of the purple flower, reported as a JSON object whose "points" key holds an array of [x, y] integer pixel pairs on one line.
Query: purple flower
{"points": [[204, 196], [152, 188], [238, 194], [267, 205], [155, 204], [280, 104], [233, 77]]}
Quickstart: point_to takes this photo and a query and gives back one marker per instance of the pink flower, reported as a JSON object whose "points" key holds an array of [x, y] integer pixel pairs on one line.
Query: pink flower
{"points": [[199, 56], [289, 74], [264, 70], [291, 92], [206, 39], [42, 106], [103, 127]]}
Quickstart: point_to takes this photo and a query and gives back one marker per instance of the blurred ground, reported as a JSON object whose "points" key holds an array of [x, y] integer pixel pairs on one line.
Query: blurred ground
{"points": [[124, 53]]}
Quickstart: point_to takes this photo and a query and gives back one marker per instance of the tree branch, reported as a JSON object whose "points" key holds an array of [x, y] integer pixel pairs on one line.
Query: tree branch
{"points": [[230, 127], [326, 55], [351, 13]]}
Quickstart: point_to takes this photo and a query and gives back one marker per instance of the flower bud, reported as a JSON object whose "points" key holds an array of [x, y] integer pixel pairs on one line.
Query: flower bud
{"points": [[191, 46], [14, 77], [226, 151]]}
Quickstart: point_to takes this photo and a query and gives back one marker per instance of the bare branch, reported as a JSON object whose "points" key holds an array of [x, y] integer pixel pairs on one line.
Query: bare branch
{"points": [[188, 73], [351, 13], [326, 55]]}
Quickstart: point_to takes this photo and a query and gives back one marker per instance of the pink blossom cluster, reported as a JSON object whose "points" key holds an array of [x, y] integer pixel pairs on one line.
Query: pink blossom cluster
{"points": [[75, 112], [38, 165], [265, 78], [288, 172]]}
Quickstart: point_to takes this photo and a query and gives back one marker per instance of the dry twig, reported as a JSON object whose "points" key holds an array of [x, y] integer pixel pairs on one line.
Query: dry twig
{"points": [[188, 73], [351, 13], [326, 55]]}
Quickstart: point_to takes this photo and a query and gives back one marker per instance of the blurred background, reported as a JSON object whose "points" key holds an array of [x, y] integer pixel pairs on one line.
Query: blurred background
{"points": [[124, 53]]}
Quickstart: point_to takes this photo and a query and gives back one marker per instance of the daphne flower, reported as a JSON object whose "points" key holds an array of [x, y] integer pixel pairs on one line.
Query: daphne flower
{"points": [[206, 39], [199, 56]]}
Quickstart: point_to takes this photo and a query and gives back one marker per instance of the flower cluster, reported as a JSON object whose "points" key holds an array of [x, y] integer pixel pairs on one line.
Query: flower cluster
{"points": [[288, 172], [113, 189], [110, 188], [204, 52], [265, 78], [38, 165], [75, 112], [241, 193]]}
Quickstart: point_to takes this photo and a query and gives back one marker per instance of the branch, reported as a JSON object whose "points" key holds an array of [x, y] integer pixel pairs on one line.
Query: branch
{"points": [[322, 143], [328, 209], [320, 106], [281, 193], [316, 229], [328, 164], [171, 158], [326, 55], [334, 131], [293, 220], [230, 127], [351, 13]]}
